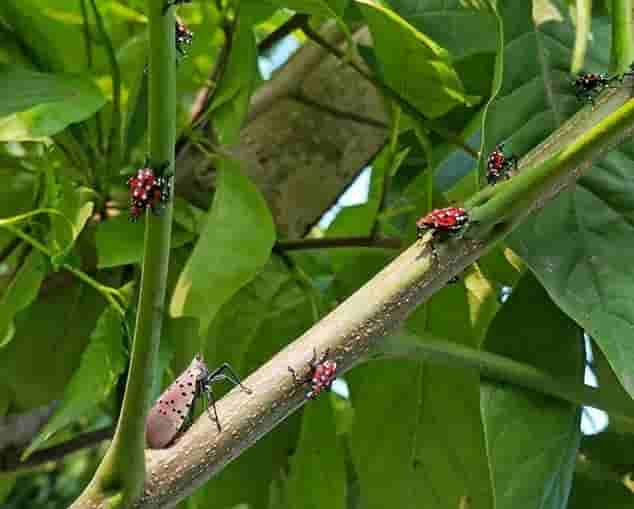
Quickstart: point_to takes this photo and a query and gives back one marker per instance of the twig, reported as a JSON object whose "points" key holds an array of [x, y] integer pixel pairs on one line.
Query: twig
{"points": [[348, 115], [388, 91], [114, 137], [292, 24], [335, 242], [8, 249], [11, 462]]}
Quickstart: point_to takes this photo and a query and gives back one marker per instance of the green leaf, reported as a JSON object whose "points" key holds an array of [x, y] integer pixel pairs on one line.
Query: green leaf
{"points": [[120, 241], [76, 208], [49, 346], [35, 105], [461, 27], [233, 246], [231, 100], [435, 456], [101, 364], [532, 440], [20, 293], [418, 68], [318, 468], [591, 494]]}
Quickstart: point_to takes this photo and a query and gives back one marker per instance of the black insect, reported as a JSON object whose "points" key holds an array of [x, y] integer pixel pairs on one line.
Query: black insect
{"points": [[499, 165], [589, 85]]}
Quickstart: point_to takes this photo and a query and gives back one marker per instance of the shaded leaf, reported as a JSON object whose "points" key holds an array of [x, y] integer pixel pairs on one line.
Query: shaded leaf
{"points": [[101, 364], [21, 292], [418, 68], [317, 468], [532, 440], [233, 246], [591, 494], [120, 241]]}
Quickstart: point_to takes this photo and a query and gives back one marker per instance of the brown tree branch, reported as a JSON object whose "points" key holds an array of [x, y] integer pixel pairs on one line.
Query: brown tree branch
{"points": [[334, 242], [292, 24], [10, 461]]}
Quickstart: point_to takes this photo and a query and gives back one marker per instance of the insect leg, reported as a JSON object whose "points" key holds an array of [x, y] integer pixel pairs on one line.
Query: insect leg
{"points": [[218, 374]]}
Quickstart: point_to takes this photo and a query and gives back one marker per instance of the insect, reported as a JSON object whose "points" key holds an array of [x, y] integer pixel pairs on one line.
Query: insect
{"points": [[173, 3], [321, 375], [147, 190], [175, 406], [183, 37], [499, 165], [589, 85], [448, 220]]}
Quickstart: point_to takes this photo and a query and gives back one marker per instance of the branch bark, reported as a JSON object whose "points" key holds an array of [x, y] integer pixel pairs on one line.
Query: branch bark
{"points": [[364, 320], [299, 156]]}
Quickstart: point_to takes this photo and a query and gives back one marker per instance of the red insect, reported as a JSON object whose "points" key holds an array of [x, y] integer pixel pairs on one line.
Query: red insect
{"points": [[499, 166], [321, 375], [175, 406], [147, 191], [447, 220]]}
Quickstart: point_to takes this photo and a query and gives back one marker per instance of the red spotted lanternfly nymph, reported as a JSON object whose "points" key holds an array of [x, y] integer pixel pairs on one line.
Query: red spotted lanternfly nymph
{"points": [[168, 415]]}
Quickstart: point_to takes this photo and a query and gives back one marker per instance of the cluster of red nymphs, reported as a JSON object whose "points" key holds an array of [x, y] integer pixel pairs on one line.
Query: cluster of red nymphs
{"points": [[320, 376], [499, 165], [183, 38], [147, 191]]}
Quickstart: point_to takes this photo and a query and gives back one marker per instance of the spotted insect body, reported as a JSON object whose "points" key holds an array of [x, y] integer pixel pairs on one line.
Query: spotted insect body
{"points": [[170, 412]]}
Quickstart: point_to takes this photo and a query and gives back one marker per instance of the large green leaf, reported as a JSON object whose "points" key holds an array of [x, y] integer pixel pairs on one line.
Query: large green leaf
{"points": [[463, 28], [532, 440], [120, 241], [318, 464], [434, 454], [21, 89], [414, 65], [233, 246], [20, 293], [591, 494], [566, 244], [35, 105], [101, 364], [50, 336]]}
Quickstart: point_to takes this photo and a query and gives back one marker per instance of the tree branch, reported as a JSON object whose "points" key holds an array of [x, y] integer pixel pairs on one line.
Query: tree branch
{"points": [[292, 24], [11, 462], [389, 92], [333, 242], [364, 320], [347, 115]]}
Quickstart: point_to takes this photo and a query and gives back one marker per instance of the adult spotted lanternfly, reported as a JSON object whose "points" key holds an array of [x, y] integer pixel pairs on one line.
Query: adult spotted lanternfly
{"points": [[321, 375], [175, 406], [499, 165]]}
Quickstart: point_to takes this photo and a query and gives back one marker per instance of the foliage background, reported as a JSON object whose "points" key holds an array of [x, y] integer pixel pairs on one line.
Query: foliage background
{"points": [[411, 433]]}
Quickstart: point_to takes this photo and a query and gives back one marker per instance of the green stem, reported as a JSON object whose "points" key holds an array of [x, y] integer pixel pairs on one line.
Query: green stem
{"points": [[622, 51], [502, 369], [502, 206], [583, 18], [112, 295], [120, 477]]}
